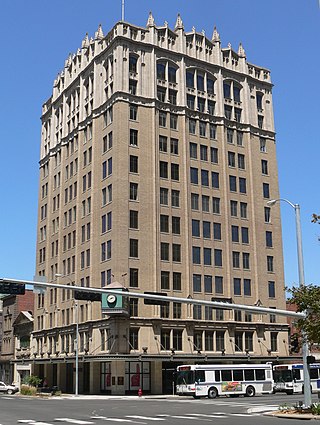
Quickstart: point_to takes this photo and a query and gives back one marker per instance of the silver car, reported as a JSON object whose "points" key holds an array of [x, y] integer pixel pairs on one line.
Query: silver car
{"points": [[8, 389]]}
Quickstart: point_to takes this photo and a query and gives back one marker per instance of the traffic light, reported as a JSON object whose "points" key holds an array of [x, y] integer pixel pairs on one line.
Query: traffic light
{"points": [[87, 296], [12, 288], [153, 301]]}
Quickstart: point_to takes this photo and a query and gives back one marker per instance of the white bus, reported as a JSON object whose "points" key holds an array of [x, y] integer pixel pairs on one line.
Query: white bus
{"points": [[212, 380], [288, 378]]}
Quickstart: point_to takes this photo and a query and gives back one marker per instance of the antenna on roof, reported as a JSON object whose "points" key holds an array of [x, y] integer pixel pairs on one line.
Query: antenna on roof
{"points": [[122, 11]]}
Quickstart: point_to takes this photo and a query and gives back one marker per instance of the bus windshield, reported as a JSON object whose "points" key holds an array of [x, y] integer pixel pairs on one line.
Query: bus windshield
{"points": [[185, 377], [283, 375]]}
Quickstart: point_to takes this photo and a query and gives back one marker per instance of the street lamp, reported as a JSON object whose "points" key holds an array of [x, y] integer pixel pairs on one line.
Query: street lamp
{"points": [[305, 349], [76, 392]]}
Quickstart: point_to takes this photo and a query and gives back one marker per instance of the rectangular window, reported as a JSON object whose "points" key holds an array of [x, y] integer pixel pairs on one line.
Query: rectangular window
{"points": [[205, 203], [196, 228], [216, 205], [133, 219], [173, 122], [208, 284], [175, 198], [164, 196], [246, 260], [163, 144], [220, 345], [134, 278], [213, 131], [217, 231], [192, 126], [266, 190], [215, 180], [196, 283], [164, 169], [241, 161], [218, 258], [242, 185], [247, 287], [201, 104], [271, 289], [193, 150], [243, 209], [269, 242], [133, 164], [133, 137], [190, 101], [244, 235], [134, 251], [264, 166], [133, 191], [204, 178], [270, 263], [202, 128], [175, 172], [165, 280], [195, 201], [133, 112], [196, 255], [207, 261], [164, 251], [206, 229], [235, 259], [232, 183], [194, 178], [239, 138], [218, 285], [176, 252], [162, 116], [176, 281], [235, 233], [203, 153], [267, 214], [238, 341], [174, 146], [234, 208], [175, 224], [231, 159], [236, 286], [274, 341], [164, 223]]}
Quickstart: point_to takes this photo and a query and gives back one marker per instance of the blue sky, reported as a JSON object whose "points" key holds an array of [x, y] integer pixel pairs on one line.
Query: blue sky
{"points": [[37, 37]]}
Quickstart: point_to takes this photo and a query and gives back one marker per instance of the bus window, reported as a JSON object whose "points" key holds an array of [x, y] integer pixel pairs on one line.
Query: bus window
{"points": [[238, 375], [217, 375], [185, 377], [296, 374], [260, 374], [249, 375], [200, 376], [314, 373], [226, 375]]}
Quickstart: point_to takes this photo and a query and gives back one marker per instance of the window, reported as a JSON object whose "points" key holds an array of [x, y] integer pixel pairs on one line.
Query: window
{"points": [[193, 149], [202, 128], [134, 339], [235, 259], [203, 153], [247, 287], [208, 336], [263, 144], [190, 79], [235, 233], [213, 131], [210, 85], [234, 208], [133, 191], [133, 307], [241, 161], [271, 289], [218, 285], [162, 118], [264, 166], [194, 201], [245, 235], [174, 146], [190, 101], [200, 82], [163, 169], [196, 255], [269, 243], [274, 341], [246, 260], [176, 225], [173, 96], [218, 258], [196, 283], [215, 180], [231, 159], [175, 198], [214, 155], [236, 286], [196, 228], [175, 172], [133, 137], [242, 185], [164, 223], [133, 252], [197, 315], [133, 64], [239, 138], [176, 252], [216, 205], [192, 126], [133, 164], [134, 278], [132, 87], [176, 281], [266, 190], [238, 315], [165, 279], [205, 203], [177, 333], [217, 231], [163, 145], [236, 93], [259, 100], [228, 112], [220, 346], [248, 341], [260, 121], [133, 112], [133, 219], [243, 209], [164, 196], [267, 214], [270, 263], [207, 256], [206, 229], [227, 90], [232, 183], [173, 122], [194, 179], [229, 135], [161, 71], [164, 251], [208, 284], [201, 104], [165, 339], [205, 178], [237, 114], [211, 106]]}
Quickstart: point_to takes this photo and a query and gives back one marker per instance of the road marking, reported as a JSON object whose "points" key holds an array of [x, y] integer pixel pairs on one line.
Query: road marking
{"points": [[148, 418], [216, 415], [104, 418], [73, 421], [186, 417]]}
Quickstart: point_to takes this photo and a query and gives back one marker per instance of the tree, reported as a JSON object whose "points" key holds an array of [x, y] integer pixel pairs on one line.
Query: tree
{"points": [[315, 218], [307, 299]]}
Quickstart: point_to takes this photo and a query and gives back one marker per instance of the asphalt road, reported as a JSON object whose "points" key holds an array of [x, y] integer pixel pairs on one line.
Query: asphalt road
{"points": [[145, 410]]}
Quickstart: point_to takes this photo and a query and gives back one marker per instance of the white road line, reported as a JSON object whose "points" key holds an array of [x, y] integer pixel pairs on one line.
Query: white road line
{"points": [[73, 421], [216, 415], [148, 418], [187, 417], [104, 418]]}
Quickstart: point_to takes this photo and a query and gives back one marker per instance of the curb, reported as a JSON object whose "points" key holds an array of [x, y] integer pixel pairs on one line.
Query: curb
{"points": [[297, 416]]}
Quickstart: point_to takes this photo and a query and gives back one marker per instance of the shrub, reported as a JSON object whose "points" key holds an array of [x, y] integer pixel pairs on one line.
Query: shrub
{"points": [[32, 380], [27, 390], [315, 409]]}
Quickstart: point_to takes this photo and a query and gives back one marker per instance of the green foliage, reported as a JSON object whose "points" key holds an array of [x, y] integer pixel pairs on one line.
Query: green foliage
{"points": [[27, 390], [307, 299], [315, 409], [32, 380], [315, 218]]}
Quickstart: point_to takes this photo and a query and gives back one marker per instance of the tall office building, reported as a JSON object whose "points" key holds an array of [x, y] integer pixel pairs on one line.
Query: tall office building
{"points": [[157, 160]]}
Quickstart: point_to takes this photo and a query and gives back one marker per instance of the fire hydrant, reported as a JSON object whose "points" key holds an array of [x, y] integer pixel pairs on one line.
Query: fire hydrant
{"points": [[139, 392]]}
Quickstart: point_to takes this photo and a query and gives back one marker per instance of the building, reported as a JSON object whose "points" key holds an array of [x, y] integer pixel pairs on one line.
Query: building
{"points": [[13, 305], [157, 159], [22, 328]]}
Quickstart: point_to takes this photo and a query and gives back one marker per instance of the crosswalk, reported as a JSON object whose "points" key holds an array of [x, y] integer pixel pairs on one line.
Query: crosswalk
{"points": [[141, 419]]}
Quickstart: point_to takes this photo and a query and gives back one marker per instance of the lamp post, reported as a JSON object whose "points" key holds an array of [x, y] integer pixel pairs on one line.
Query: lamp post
{"points": [[305, 348], [76, 347]]}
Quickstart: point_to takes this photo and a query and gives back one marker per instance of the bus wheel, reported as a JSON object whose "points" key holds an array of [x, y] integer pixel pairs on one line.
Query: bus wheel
{"points": [[213, 392], [250, 391]]}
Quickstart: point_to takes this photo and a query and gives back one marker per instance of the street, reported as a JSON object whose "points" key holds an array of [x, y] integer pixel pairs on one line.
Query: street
{"points": [[95, 410]]}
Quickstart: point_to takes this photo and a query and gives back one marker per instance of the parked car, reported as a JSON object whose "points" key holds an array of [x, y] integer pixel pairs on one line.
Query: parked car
{"points": [[8, 389]]}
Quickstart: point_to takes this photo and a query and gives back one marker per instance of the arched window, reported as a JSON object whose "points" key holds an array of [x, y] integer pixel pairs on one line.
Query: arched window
{"points": [[161, 71], [172, 74]]}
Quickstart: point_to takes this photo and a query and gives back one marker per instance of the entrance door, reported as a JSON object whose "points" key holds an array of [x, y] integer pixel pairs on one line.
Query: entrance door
{"points": [[168, 377], [69, 378], [86, 377]]}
